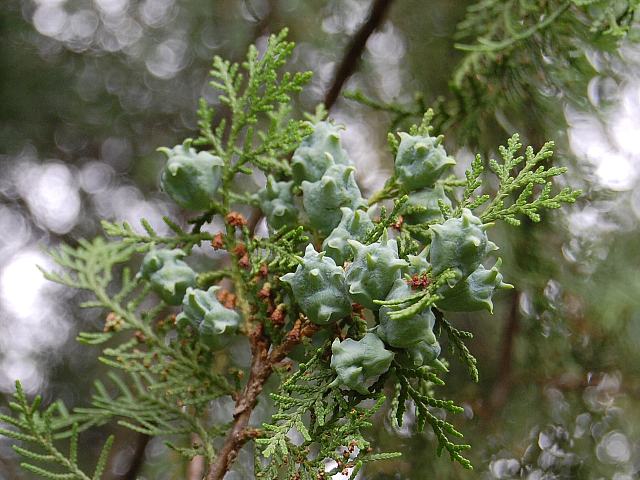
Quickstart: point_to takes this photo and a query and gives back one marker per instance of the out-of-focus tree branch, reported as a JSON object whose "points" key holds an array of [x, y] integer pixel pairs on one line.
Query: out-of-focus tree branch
{"points": [[139, 441], [137, 460], [263, 22], [354, 50], [503, 383]]}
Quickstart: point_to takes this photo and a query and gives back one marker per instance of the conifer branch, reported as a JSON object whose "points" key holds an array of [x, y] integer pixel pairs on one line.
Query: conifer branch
{"points": [[457, 345], [168, 327], [35, 427]]}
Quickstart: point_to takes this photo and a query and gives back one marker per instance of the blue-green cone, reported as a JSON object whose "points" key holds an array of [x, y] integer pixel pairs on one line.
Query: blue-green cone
{"points": [[459, 243], [406, 332], [354, 225], [317, 153], [474, 292], [413, 335], [422, 205], [420, 161], [418, 264], [191, 178], [356, 361], [374, 270], [319, 288], [419, 354], [167, 274], [203, 312], [323, 199], [277, 203]]}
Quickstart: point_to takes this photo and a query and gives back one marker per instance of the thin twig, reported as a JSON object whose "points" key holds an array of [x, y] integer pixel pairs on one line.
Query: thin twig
{"points": [[354, 50], [486, 45]]}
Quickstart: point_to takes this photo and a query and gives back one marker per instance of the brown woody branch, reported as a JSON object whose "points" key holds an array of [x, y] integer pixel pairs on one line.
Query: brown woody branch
{"points": [[262, 364]]}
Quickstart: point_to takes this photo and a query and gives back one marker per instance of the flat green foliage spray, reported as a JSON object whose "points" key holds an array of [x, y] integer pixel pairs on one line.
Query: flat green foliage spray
{"points": [[344, 297]]}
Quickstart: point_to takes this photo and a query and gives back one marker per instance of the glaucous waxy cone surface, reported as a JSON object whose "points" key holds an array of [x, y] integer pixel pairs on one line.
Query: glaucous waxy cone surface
{"points": [[191, 178], [168, 275], [356, 361], [213, 322]]}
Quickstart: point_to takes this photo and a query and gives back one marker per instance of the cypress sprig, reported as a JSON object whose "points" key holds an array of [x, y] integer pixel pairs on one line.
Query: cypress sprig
{"points": [[35, 429], [505, 45], [457, 338], [522, 183], [360, 311], [424, 403]]}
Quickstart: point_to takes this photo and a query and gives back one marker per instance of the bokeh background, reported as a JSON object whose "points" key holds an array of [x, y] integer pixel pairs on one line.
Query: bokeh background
{"points": [[90, 88]]}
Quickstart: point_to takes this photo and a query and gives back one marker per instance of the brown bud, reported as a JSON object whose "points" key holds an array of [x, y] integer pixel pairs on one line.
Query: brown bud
{"points": [[419, 281], [265, 291], [240, 249], [226, 298], [218, 241], [398, 223], [113, 323], [244, 262], [235, 219], [278, 316], [264, 270]]}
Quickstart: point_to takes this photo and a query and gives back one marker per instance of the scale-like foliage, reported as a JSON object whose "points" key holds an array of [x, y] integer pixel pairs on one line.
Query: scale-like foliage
{"points": [[36, 432], [514, 53], [334, 426], [295, 311]]}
